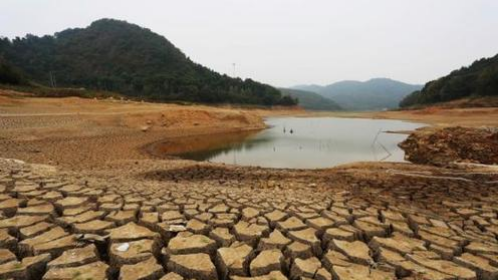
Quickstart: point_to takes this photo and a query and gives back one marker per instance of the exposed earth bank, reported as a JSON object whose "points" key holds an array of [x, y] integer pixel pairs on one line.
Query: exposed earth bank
{"points": [[452, 144], [85, 133]]}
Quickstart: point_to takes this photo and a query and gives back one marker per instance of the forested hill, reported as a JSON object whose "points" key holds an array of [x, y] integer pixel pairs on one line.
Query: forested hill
{"points": [[118, 56], [9, 75], [476, 80], [374, 94], [311, 101]]}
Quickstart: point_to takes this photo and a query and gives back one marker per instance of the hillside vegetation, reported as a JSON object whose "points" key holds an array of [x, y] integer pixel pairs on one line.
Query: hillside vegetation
{"points": [[10, 75], [374, 94], [311, 101], [477, 80], [117, 56]]}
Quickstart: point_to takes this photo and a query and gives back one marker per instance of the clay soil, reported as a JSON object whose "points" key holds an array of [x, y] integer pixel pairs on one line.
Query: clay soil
{"points": [[85, 133]]}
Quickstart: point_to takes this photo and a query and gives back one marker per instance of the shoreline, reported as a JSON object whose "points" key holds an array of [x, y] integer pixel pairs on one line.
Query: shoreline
{"points": [[105, 187], [85, 133]]}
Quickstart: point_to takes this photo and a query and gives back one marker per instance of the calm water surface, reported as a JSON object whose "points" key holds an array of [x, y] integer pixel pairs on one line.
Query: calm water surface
{"points": [[292, 142]]}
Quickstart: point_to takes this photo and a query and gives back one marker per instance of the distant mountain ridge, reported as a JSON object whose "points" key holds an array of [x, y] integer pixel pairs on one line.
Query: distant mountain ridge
{"points": [[311, 101], [118, 56], [374, 94], [480, 79]]}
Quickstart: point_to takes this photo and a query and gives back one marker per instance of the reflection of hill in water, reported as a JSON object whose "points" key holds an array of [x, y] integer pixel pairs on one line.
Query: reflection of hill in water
{"points": [[205, 147], [227, 148]]}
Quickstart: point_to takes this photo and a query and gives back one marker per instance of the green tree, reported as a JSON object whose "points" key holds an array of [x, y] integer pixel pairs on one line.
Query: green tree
{"points": [[114, 55], [478, 79]]}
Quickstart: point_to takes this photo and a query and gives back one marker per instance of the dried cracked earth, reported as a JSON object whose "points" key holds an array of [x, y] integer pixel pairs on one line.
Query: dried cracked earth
{"points": [[58, 225]]}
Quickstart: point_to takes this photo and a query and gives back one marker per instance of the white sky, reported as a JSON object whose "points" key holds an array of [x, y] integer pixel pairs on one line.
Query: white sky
{"points": [[289, 42]]}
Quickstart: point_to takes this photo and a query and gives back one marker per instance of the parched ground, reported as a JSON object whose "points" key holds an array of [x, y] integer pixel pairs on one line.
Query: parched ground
{"points": [[90, 203], [205, 221]]}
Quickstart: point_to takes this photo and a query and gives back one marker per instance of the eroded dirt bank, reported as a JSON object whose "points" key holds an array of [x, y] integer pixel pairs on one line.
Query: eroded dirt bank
{"points": [[84, 133], [452, 144]]}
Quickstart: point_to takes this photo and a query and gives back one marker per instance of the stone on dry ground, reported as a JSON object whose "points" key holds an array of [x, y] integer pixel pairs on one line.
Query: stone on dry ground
{"points": [[305, 268], [136, 251], [234, 260], [222, 236], [356, 251], [274, 275], [172, 276], [276, 240], [146, 270], [198, 266], [361, 272], [266, 262], [188, 243], [62, 226], [94, 271], [76, 257]]}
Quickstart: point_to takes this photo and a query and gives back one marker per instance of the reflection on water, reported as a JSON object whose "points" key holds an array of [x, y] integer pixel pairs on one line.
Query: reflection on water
{"points": [[208, 144], [299, 143]]}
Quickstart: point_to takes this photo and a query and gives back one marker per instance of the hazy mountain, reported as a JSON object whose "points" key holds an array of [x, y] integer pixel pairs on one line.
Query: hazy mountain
{"points": [[118, 56], [374, 94], [311, 101], [476, 80]]}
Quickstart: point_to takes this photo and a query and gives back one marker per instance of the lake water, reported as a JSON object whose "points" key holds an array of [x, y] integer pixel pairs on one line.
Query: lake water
{"points": [[293, 142]]}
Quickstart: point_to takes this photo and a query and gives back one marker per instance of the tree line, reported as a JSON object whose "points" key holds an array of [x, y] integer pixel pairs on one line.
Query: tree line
{"points": [[477, 80], [117, 56]]}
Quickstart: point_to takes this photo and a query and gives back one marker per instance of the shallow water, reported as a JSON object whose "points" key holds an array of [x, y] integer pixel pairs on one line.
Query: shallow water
{"points": [[292, 142]]}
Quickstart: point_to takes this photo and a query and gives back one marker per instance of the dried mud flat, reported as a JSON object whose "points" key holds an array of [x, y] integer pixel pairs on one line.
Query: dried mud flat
{"points": [[101, 209], [200, 221]]}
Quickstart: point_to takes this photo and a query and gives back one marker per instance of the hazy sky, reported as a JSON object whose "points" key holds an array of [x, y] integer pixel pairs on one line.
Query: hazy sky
{"points": [[289, 42]]}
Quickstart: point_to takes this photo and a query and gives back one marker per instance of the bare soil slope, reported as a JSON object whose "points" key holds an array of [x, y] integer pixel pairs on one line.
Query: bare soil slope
{"points": [[86, 132]]}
